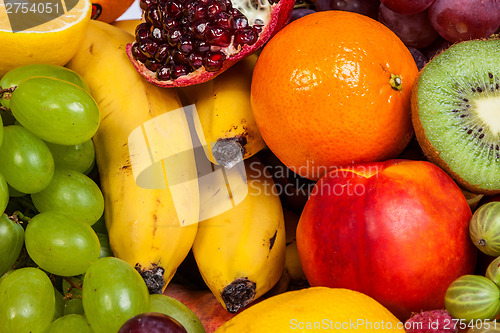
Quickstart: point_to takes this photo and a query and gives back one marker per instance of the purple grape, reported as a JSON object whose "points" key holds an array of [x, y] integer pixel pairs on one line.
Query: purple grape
{"points": [[301, 12], [414, 30], [407, 7], [459, 20], [365, 7], [419, 57], [436, 47], [152, 322]]}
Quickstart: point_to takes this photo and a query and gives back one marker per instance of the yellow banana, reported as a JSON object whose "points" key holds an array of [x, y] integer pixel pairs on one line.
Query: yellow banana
{"points": [[127, 25], [225, 112], [241, 252], [143, 222]]}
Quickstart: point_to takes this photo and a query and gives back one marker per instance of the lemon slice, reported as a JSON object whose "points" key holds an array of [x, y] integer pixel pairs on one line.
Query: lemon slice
{"points": [[41, 31]]}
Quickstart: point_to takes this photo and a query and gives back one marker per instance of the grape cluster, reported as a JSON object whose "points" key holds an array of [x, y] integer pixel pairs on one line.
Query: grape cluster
{"points": [[426, 27], [53, 239]]}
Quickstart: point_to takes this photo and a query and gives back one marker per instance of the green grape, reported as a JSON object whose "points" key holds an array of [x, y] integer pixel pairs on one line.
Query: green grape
{"points": [[11, 242], [78, 157], [105, 248], [27, 301], [113, 292], [74, 323], [170, 306], [74, 306], [56, 111], [27, 163], [61, 245], [59, 307], [12, 78], [4, 193], [100, 226], [73, 193], [493, 271], [1, 130]]}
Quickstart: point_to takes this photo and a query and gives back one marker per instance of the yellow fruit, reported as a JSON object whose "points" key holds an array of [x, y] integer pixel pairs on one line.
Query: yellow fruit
{"points": [[316, 309], [128, 25], [52, 42]]}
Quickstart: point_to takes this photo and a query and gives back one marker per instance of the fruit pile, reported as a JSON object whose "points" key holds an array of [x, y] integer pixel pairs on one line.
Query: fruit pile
{"points": [[241, 166]]}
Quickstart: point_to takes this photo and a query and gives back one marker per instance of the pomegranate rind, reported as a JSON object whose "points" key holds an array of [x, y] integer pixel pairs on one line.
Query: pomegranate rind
{"points": [[280, 17]]}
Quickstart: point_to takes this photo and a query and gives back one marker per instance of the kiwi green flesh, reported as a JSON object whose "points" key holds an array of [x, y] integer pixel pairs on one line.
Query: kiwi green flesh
{"points": [[456, 113]]}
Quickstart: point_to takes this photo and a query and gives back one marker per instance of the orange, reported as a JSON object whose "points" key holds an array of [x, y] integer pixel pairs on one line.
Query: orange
{"points": [[109, 10], [332, 89], [315, 309]]}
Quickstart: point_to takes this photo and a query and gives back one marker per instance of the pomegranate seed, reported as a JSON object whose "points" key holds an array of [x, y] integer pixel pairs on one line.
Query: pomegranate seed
{"points": [[153, 16], [148, 47], [223, 20], [214, 7], [170, 23], [195, 60], [142, 32], [152, 65], [178, 57], [137, 53], [245, 37], [173, 36], [218, 36], [162, 53], [164, 73], [144, 4], [200, 28], [202, 46], [240, 22], [157, 34], [174, 9], [213, 61], [257, 28], [185, 45], [200, 13], [179, 70]]}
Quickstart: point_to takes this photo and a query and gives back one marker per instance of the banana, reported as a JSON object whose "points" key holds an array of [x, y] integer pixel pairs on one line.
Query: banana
{"points": [[151, 201], [225, 112], [240, 253]]}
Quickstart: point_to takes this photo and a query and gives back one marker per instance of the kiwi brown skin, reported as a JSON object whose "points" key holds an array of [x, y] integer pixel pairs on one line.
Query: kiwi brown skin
{"points": [[431, 153]]}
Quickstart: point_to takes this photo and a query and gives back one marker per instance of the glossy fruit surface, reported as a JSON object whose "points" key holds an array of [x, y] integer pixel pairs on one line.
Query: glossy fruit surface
{"points": [[73, 193], [27, 164], [473, 297], [78, 157], [60, 244], [73, 323], [4, 193], [11, 242], [459, 20], [12, 78], [56, 111], [340, 96], [399, 224], [28, 301], [152, 322], [113, 292], [407, 7]]}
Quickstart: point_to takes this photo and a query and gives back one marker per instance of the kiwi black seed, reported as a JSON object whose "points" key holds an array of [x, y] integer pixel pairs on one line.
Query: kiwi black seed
{"points": [[456, 113]]}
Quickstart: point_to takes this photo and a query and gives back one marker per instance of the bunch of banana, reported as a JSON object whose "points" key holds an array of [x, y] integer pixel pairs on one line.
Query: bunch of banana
{"points": [[144, 156], [240, 252]]}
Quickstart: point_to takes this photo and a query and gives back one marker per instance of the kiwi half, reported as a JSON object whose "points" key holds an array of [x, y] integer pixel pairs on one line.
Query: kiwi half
{"points": [[456, 113]]}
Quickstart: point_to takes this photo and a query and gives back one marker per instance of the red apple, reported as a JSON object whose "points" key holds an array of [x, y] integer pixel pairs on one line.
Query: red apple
{"points": [[396, 231]]}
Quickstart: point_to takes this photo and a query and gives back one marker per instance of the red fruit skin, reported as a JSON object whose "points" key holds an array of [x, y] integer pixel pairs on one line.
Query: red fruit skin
{"points": [[280, 16], [400, 236], [203, 303]]}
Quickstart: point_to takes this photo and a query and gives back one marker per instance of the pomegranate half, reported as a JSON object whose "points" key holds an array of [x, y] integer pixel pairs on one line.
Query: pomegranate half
{"points": [[185, 42]]}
